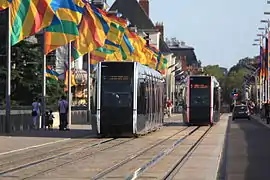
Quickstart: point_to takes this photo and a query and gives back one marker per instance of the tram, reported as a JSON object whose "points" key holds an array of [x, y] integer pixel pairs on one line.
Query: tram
{"points": [[127, 99], [201, 97]]}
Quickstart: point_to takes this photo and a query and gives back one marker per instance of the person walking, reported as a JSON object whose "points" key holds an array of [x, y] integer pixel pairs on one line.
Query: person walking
{"points": [[169, 107], [63, 110], [35, 112]]}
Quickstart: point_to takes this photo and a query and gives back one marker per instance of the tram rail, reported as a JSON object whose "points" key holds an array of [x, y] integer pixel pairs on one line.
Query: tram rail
{"points": [[95, 148], [180, 162], [133, 156]]}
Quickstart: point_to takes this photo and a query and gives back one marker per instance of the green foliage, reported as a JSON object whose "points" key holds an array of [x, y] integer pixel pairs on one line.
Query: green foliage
{"points": [[214, 70], [27, 76], [234, 80], [218, 72], [54, 92]]}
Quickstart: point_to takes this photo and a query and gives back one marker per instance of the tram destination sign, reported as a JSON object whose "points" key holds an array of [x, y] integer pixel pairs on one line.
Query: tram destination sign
{"points": [[199, 86], [116, 78]]}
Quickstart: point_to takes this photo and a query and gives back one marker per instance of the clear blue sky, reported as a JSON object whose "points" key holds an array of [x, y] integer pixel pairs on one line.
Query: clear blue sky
{"points": [[222, 32]]}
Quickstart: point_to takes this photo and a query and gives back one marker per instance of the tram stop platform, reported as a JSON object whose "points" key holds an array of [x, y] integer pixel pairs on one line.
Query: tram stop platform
{"points": [[246, 155]]}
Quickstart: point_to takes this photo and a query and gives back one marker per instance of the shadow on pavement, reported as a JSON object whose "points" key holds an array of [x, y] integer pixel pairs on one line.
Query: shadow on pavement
{"points": [[247, 153], [167, 124]]}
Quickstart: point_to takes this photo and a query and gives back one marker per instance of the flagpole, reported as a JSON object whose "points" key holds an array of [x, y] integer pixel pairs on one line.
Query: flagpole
{"points": [[69, 85], [89, 88], [8, 77], [43, 86]]}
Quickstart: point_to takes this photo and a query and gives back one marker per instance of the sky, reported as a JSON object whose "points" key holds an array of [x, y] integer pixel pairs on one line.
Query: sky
{"points": [[221, 31]]}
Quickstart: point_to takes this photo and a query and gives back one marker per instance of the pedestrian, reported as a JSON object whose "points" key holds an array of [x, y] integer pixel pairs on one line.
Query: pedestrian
{"points": [[51, 117], [169, 107], [47, 120], [63, 110], [35, 112]]}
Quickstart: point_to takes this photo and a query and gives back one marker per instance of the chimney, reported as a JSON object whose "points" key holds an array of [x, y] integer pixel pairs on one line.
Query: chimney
{"points": [[183, 60], [160, 28], [145, 6]]}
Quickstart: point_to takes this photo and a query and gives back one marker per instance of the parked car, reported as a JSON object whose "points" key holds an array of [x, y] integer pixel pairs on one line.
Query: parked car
{"points": [[241, 112]]}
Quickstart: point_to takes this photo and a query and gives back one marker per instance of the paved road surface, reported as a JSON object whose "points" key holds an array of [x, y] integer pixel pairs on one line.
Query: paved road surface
{"points": [[247, 154]]}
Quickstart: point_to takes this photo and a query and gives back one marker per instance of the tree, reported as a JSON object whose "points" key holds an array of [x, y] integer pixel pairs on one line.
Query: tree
{"points": [[214, 70], [218, 72], [26, 80]]}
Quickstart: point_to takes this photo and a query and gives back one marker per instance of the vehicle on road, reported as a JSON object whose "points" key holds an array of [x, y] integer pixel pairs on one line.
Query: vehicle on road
{"points": [[202, 101], [241, 112], [128, 99]]}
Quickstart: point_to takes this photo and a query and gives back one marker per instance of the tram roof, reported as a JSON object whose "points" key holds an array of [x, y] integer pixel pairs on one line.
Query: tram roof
{"points": [[142, 69], [213, 78]]}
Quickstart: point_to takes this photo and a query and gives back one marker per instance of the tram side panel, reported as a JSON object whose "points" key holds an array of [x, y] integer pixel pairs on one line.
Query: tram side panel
{"points": [[149, 102], [217, 104]]}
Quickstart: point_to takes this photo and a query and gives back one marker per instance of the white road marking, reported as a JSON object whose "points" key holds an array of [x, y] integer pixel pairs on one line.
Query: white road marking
{"points": [[33, 147]]}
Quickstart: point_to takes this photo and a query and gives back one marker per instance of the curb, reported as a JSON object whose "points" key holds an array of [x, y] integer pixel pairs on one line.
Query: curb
{"points": [[222, 165]]}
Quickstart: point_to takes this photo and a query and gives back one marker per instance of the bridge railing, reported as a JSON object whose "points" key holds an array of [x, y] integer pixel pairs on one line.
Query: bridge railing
{"points": [[21, 120]]}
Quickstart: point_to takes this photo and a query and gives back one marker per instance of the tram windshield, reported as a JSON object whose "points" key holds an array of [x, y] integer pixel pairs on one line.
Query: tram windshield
{"points": [[116, 85], [200, 92]]}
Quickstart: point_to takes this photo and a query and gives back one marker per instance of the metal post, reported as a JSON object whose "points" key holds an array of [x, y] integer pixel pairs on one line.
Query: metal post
{"points": [[256, 91], [88, 88], [8, 77], [69, 85], [43, 90]]}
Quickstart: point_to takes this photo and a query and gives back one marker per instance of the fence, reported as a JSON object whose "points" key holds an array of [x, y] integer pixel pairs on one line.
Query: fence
{"points": [[21, 120]]}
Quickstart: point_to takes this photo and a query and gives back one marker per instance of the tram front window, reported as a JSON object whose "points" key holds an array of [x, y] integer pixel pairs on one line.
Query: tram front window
{"points": [[116, 94], [200, 97]]}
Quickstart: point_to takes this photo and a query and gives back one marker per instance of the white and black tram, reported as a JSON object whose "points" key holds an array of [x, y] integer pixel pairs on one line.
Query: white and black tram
{"points": [[201, 97], [128, 99]]}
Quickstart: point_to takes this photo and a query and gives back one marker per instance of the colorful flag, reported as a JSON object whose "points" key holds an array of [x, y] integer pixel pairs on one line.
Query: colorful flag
{"points": [[138, 43], [150, 59], [162, 64], [4, 4], [91, 33], [50, 73], [64, 27], [116, 33], [126, 47], [100, 55], [29, 17], [73, 81]]}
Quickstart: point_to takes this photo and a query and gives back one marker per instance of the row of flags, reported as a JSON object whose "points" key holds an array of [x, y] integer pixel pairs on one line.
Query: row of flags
{"points": [[89, 30], [264, 60]]}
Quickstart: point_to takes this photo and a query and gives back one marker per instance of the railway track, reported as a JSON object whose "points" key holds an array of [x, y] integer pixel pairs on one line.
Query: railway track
{"points": [[49, 165], [180, 162], [48, 150], [119, 170], [133, 156], [11, 167], [154, 155]]}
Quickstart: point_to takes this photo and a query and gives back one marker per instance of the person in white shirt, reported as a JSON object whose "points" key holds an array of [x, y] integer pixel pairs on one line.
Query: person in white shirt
{"points": [[63, 110], [35, 112]]}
